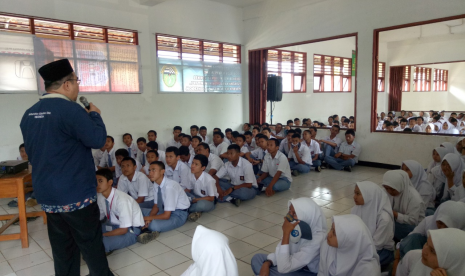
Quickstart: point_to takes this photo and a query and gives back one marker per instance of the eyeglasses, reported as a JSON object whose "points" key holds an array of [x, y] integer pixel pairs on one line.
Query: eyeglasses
{"points": [[78, 81]]}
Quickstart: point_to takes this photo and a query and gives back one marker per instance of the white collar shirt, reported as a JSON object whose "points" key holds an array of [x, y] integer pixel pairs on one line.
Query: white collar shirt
{"points": [[174, 197], [353, 148], [180, 174], [139, 186], [173, 143], [124, 210], [314, 147], [118, 171], [133, 151], [204, 186], [284, 146], [106, 155], [259, 153], [240, 174], [278, 163], [336, 140], [214, 162], [303, 152], [189, 163]]}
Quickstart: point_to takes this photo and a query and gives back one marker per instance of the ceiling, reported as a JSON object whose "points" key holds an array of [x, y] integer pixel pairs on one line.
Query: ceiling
{"points": [[235, 3]]}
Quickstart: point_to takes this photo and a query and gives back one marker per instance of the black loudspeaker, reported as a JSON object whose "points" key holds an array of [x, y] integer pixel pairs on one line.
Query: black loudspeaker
{"points": [[274, 89]]}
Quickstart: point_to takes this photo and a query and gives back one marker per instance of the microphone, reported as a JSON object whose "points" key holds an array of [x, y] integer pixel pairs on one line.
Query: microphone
{"points": [[84, 101]]}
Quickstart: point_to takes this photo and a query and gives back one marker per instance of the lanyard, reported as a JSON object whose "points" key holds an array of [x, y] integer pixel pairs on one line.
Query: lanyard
{"points": [[109, 211]]}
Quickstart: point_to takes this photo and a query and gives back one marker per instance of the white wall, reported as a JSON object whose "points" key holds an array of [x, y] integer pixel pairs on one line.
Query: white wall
{"points": [[137, 114], [442, 48], [279, 22], [317, 106]]}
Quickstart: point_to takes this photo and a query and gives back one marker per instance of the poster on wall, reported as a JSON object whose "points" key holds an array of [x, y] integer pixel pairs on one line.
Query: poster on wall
{"points": [[170, 77]]}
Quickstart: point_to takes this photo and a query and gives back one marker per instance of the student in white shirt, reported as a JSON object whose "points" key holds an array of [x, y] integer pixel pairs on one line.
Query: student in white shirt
{"points": [[122, 215], [186, 141], [214, 162], [402, 126], [245, 127], [135, 183], [186, 156], [219, 146], [298, 251], [330, 144], [176, 169], [108, 159], [152, 137], [256, 156], [315, 149], [194, 129], [228, 136], [285, 144], [120, 154], [348, 154], [203, 194], [267, 132], [96, 154], [452, 168], [152, 156], [176, 140], [299, 157], [171, 202], [142, 152], [196, 140], [279, 132], [249, 141], [240, 141], [129, 145], [276, 176], [161, 153], [203, 134], [242, 183]]}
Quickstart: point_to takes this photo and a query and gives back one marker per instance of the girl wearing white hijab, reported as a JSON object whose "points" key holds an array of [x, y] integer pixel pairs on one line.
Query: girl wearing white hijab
{"points": [[438, 154], [349, 249], [442, 255], [448, 128], [420, 181], [437, 127], [373, 207], [460, 148], [211, 254], [449, 214], [407, 205], [430, 128], [452, 168], [448, 146], [295, 254]]}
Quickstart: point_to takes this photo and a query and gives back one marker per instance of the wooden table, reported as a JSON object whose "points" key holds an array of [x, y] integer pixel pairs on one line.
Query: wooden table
{"points": [[17, 185]]}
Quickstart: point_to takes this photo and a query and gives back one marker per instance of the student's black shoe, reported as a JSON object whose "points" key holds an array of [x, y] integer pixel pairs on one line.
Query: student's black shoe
{"points": [[348, 169], [318, 169], [194, 216], [260, 188], [109, 253], [236, 201], [147, 237], [13, 203], [295, 173]]}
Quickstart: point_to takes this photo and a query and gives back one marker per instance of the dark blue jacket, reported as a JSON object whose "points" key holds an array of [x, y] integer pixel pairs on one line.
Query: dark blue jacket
{"points": [[58, 135]]}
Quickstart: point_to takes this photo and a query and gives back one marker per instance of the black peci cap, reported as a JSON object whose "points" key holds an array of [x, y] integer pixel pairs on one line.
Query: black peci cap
{"points": [[56, 70]]}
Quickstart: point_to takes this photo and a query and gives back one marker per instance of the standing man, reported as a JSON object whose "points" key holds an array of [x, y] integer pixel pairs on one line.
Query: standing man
{"points": [[59, 135]]}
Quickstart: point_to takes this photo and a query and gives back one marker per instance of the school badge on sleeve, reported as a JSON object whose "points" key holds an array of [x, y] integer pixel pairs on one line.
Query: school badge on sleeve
{"points": [[242, 177]]}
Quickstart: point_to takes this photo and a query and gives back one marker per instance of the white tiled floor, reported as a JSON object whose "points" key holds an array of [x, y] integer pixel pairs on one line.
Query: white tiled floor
{"points": [[254, 227]]}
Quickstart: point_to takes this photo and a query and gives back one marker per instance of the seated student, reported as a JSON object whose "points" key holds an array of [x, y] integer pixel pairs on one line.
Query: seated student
{"points": [[256, 156], [135, 183], [438, 155], [152, 137], [203, 194], [298, 131], [442, 255], [276, 176], [203, 134], [196, 141], [234, 136], [460, 148], [345, 123], [421, 123], [373, 207], [255, 131], [249, 141], [219, 146], [279, 132], [23, 155], [285, 145], [395, 125], [449, 214], [419, 180], [176, 169], [402, 126], [186, 156], [290, 123], [304, 122], [214, 162], [388, 126], [216, 129], [161, 153], [96, 154], [194, 131], [296, 255], [296, 122], [129, 145], [152, 156], [109, 160], [171, 206], [349, 249], [407, 205], [240, 141], [142, 152], [242, 184], [330, 144], [267, 132], [352, 119], [245, 127], [299, 157], [348, 154], [176, 140], [186, 141], [122, 215], [229, 139], [330, 122], [211, 254], [120, 154], [452, 168], [313, 146]]}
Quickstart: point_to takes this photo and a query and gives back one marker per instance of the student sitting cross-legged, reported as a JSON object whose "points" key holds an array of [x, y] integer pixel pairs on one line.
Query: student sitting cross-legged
{"points": [[240, 141], [161, 153], [171, 206], [186, 155], [256, 156], [119, 156], [276, 176], [299, 156], [242, 183], [121, 215], [176, 169], [135, 183], [203, 194], [348, 154], [152, 156]]}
